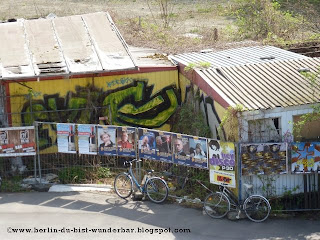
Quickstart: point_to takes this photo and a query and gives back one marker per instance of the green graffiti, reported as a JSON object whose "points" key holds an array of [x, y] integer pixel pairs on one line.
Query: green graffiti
{"points": [[77, 103], [114, 99], [153, 112], [131, 109], [133, 104], [36, 112]]}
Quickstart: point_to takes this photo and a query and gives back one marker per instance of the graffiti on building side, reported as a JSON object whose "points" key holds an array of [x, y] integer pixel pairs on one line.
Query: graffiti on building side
{"points": [[133, 104]]}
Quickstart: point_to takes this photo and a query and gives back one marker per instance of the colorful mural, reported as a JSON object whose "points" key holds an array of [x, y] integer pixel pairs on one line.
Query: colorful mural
{"points": [[142, 100], [264, 159], [305, 157], [212, 110]]}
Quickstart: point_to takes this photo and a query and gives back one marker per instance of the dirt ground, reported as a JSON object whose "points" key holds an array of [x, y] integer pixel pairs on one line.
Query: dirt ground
{"points": [[204, 21]]}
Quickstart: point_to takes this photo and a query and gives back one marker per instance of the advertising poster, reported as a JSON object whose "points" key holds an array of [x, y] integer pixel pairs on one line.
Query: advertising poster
{"points": [[147, 143], [66, 138], [181, 149], [126, 141], [87, 140], [198, 152], [222, 163], [107, 140], [164, 146], [17, 141], [305, 157], [264, 158]]}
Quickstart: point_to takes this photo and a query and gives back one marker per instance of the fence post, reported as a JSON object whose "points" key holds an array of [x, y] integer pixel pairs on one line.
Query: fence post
{"points": [[239, 173], [38, 150]]}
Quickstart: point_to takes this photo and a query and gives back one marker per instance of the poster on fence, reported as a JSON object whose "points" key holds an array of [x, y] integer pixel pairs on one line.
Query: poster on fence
{"points": [[66, 138], [264, 158], [305, 157], [181, 149], [198, 152], [87, 141], [126, 141], [164, 146], [222, 163], [147, 143], [17, 141], [107, 140]]}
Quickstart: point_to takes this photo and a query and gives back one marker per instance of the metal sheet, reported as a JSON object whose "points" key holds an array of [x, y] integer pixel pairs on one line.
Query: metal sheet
{"points": [[238, 56], [113, 54], [46, 54], [76, 45], [265, 85], [14, 53]]}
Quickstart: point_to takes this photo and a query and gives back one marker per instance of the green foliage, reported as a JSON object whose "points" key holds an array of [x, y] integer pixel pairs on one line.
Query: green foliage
{"points": [[103, 172], [72, 175], [229, 122], [257, 19], [191, 122], [199, 65], [314, 80], [12, 185]]}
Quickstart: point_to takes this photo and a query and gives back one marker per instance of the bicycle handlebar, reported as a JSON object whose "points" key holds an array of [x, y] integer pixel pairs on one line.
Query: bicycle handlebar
{"points": [[130, 162]]}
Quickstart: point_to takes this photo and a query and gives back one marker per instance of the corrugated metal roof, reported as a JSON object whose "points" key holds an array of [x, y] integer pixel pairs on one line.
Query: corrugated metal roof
{"points": [[237, 56], [265, 85], [66, 45]]}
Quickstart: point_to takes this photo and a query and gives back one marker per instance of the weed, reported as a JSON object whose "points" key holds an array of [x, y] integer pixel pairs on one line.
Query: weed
{"points": [[72, 175]]}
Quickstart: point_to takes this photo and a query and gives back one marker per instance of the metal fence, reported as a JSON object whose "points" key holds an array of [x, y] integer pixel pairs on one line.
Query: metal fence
{"points": [[286, 192]]}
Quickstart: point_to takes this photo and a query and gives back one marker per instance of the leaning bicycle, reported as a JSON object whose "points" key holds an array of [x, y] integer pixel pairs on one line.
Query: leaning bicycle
{"points": [[256, 207], [154, 187]]}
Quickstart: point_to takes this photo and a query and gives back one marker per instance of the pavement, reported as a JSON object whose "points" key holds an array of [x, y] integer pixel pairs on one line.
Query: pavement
{"points": [[103, 215]]}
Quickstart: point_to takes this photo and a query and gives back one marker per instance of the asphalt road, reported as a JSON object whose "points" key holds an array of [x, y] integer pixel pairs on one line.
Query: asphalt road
{"points": [[78, 215]]}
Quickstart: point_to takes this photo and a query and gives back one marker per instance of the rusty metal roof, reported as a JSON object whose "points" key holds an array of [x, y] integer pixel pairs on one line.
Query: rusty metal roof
{"points": [[66, 45], [265, 85], [237, 56]]}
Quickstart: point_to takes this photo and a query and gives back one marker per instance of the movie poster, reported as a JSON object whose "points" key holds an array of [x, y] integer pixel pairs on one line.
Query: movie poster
{"points": [[222, 163], [305, 157], [87, 140], [198, 152], [126, 137], [181, 149], [264, 158], [66, 138], [17, 141], [107, 140], [147, 143], [164, 146]]}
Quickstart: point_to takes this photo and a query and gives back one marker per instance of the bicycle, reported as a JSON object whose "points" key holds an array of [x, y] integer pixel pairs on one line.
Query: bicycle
{"points": [[217, 204], [155, 187]]}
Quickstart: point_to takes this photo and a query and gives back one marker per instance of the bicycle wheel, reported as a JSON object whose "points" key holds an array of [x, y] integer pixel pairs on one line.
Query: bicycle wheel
{"points": [[123, 185], [257, 208], [156, 189], [216, 205]]}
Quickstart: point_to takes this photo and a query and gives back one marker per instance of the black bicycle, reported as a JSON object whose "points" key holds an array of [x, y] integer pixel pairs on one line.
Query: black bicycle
{"points": [[217, 204]]}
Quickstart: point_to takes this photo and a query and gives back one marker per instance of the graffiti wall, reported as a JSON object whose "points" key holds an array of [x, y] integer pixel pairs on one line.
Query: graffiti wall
{"points": [[212, 110], [305, 157], [142, 100]]}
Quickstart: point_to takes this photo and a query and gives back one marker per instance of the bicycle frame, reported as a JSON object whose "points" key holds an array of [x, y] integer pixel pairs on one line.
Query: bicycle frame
{"points": [[131, 175], [234, 202]]}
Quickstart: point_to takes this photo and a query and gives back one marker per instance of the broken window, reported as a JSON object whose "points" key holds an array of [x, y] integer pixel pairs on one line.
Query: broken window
{"points": [[264, 130]]}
